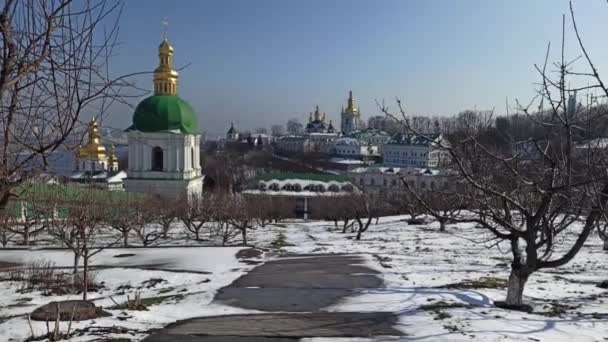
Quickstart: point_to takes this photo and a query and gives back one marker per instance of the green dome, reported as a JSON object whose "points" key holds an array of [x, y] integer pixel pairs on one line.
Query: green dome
{"points": [[163, 113]]}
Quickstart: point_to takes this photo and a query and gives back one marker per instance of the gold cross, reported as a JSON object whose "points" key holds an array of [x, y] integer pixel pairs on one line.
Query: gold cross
{"points": [[165, 24]]}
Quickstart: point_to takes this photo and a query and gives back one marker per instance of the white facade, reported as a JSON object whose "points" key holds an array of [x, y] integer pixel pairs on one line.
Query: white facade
{"points": [[82, 164], [405, 150], [351, 147], [389, 181], [164, 163]]}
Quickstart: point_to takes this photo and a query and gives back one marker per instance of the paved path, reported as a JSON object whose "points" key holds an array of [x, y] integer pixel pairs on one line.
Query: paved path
{"points": [[298, 287]]}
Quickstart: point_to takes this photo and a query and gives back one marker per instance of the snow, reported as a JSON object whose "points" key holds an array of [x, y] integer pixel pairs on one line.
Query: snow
{"points": [[416, 264], [418, 261], [195, 273]]}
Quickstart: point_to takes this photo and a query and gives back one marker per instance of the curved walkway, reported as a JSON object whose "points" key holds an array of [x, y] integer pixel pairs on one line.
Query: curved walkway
{"points": [[296, 289]]}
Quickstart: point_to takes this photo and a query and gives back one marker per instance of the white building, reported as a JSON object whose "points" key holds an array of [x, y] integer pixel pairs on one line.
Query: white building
{"points": [[410, 150], [389, 180], [353, 148], [164, 143]]}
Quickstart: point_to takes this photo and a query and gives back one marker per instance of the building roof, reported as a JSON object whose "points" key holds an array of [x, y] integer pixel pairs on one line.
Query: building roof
{"points": [[302, 176], [408, 139], [400, 171], [165, 113]]}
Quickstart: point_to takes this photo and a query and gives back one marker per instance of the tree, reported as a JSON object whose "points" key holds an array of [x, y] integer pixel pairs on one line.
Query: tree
{"points": [[243, 215], [294, 127], [54, 67], [441, 204], [7, 220], [30, 216], [196, 213], [163, 215], [366, 207], [77, 224], [221, 227], [536, 204], [277, 130]]}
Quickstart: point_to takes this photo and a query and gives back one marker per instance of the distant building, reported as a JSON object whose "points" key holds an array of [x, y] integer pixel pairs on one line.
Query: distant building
{"points": [[301, 190], [317, 123], [350, 117], [232, 134], [94, 167], [411, 150], [361, 144], [389, 180]]}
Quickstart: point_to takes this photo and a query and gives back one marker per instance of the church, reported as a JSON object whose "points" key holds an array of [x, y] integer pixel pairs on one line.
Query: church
{"points": [[350, 117], [317, 123], [164, 139], [93, 166]]}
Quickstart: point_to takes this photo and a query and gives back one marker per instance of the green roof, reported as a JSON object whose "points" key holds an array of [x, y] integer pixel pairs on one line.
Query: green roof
{"points": [[41, 193], [164, 113], [303, 176]]}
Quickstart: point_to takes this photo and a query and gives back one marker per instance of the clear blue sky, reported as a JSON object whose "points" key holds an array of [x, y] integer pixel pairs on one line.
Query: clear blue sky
{"points": [[265, 61]]}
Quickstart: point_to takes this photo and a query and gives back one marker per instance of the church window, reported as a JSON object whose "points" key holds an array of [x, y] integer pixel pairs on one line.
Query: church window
{"points": [[157, 159], [192, 157], [93, 166]]}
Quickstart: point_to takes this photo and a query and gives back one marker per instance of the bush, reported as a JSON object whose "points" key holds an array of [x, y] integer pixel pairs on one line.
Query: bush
{"points": [[44, 275]]}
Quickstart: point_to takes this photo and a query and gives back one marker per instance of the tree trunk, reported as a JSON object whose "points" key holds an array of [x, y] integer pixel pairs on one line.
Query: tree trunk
{"points": [[244, 235], [197, 234], [26, 236], [85, 274], [345, 226], [442, 225], [76, 262], [606, 244], [515, 291], [125, 239], [359, 232]]}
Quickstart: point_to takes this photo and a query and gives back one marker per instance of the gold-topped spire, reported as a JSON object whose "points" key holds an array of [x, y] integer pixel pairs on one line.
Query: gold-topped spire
{"points": [[165, 77], [317, 114], [351, 103], [93, 148]]}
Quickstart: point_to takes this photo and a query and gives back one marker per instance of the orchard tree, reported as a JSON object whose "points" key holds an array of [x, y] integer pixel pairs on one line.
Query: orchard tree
{"points": [[544, 205]]}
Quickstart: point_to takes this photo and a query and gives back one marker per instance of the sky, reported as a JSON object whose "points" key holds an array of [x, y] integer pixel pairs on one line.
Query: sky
{"points": [[262, 62]]}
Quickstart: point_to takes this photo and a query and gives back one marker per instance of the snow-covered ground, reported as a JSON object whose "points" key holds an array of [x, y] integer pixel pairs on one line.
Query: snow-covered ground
{"points": [[418, 265], [417, 262], [188, 279]]}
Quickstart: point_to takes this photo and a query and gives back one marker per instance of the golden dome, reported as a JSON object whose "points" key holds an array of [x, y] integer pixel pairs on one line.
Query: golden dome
{"points": [[93, 148], [165, 77], [165, 46], [351, 104]]}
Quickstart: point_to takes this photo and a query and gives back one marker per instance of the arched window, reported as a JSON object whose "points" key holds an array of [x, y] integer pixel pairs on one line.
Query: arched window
{"points": [[192, 157], [157, 159], [93, 166]]}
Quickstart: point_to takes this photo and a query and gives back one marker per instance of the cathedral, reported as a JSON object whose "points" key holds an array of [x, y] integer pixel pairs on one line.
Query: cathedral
{"points": [[350, 117], [164, 141], [93, 166], [317, 123]]}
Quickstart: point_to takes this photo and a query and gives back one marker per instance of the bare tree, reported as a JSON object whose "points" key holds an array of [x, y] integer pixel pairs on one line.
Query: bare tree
{"points": [[30, 216], [221, 227], [7, 220], [243, 215], [197, 213], [294, 127], [78, 223], [277, 130], [533, 204], [163, 215], [54, 67]]}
